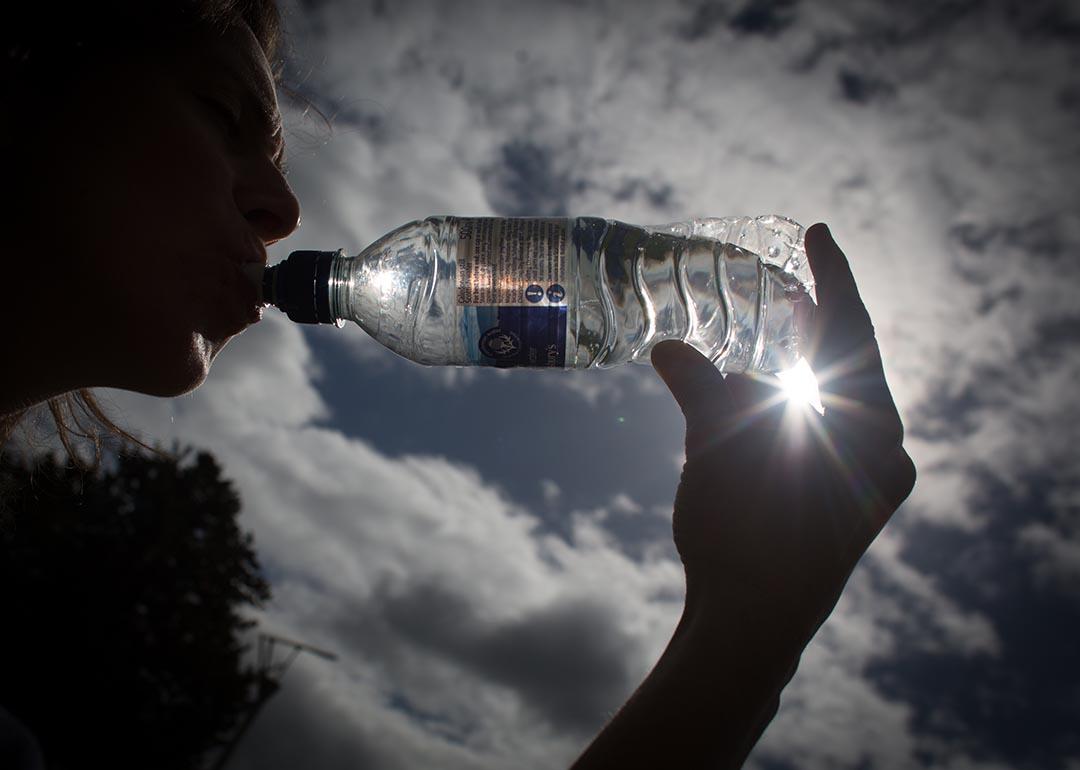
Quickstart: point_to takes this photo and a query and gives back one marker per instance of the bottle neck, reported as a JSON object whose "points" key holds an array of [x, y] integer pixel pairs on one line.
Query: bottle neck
{"points": [[301, 286]]}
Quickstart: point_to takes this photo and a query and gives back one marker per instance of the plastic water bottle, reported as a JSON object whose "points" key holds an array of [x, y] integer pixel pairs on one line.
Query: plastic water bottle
{"points": [[569, 293]]}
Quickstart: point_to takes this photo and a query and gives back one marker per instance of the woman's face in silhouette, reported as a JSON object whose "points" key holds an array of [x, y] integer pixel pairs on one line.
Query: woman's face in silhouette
{"points": [[169, 184]]}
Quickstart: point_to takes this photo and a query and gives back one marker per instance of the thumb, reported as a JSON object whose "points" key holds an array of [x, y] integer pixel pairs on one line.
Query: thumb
{"points": [[694, 381]]}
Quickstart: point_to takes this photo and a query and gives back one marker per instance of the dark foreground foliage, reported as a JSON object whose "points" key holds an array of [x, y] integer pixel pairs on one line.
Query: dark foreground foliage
{"points": [[120, 593]]}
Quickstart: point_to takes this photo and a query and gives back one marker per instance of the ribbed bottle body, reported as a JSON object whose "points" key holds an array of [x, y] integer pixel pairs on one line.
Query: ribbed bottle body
{"points": [[579, 293]]}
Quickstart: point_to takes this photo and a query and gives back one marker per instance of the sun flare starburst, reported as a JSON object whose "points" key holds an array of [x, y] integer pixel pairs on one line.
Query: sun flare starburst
{"points": [[800, 386]]}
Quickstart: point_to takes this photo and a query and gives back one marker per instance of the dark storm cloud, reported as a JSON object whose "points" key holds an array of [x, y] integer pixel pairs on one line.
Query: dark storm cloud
{"points": [[529, 179], [763, 17], [297, 728], [1005, 263], [702, 20], [1069, 99], [660, 195], [948, 413], [569, 662], [1017, 707], [861, 88], [766, 18], [1041, 237], [1048, 19]]}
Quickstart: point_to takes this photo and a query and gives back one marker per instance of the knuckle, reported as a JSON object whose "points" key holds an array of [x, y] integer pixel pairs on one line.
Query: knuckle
{"points": [[903, 476], [910, 474]]}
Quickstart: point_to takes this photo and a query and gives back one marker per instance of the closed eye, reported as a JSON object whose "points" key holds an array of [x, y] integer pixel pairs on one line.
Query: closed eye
{"points": [[224, 114]]}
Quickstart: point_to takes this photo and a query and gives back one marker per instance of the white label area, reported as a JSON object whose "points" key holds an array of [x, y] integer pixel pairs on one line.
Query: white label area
{"points": [[514, 261]]}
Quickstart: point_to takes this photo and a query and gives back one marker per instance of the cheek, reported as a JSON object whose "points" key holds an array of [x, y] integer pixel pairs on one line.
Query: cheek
{"points": [[160, 225], [161, 195], [168, 326], [142, 211]]}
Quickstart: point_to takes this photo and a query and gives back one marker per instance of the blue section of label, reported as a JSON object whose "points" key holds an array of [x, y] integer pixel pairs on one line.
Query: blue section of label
{"points": [[515, 336]]}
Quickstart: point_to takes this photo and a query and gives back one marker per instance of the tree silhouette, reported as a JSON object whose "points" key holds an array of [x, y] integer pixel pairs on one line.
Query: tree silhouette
{"points": [[121, 592]]}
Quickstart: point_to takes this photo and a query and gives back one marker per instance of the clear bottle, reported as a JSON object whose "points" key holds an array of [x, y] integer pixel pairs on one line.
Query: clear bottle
{"points": [[569, 293]]}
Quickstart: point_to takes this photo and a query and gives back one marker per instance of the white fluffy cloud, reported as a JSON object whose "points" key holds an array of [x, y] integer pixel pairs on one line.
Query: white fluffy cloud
{"points": [[440, 596]]}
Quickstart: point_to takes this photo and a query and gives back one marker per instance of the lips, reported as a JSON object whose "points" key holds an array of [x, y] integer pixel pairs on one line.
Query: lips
{"points": [[254, 252], [247, 280], [232, 302], [252, 261], [254, 271], [230, 289]]}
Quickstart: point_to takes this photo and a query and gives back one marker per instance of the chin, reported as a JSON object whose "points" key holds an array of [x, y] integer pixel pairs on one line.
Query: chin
{"points": [[169, 384], [167, 376]]}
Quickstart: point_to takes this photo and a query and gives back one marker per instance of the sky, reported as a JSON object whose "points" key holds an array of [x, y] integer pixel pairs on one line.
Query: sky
{"points": [[489, 553]]}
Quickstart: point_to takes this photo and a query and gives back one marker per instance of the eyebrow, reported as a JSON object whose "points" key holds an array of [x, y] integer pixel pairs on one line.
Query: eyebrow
{"points": [[268, 122], [270, 126], [276, 131]]}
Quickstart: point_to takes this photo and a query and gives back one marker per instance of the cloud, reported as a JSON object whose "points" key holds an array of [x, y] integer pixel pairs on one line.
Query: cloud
{"points": [[447, 599], [1055, 557], [442, 598], [525, 181], [238, 396], [551, 491], [939, 144], [568, 660]]}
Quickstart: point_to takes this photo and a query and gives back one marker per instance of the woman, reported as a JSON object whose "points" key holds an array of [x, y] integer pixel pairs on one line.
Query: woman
{"points": [[152, 216], [132, 236]]}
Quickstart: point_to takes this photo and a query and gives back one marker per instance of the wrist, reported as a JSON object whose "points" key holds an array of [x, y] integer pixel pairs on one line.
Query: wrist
{"points": [[743, 615]]}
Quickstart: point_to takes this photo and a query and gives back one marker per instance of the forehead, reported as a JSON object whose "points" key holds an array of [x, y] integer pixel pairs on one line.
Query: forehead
{"points": [[237, 53], [243, 51]]}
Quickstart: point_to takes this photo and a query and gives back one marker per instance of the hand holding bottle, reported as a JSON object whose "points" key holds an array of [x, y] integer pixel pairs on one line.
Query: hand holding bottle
{"points": [[775, 507], [777, 502]]}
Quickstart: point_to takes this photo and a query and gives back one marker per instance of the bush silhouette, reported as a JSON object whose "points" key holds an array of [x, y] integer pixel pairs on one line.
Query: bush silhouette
{"points": [[121, 592]]}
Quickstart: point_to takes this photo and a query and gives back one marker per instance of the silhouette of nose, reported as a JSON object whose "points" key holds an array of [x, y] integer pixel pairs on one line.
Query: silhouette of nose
{"points": [[271, 209]]}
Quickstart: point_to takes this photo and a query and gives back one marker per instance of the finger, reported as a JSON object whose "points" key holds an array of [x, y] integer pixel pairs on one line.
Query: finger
{"points": [[757, 402], [845, 354], [698, 388], [896, 477], [754, 392], [879, 490], [694, 381], [841, 322]]}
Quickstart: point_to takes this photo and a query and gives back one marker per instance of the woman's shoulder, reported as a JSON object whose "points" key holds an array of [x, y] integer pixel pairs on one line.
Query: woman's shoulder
{"points": [[18, 747]]}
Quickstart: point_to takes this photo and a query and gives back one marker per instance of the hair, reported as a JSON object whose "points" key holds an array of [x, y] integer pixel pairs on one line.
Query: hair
{"points": [[43, 54]]}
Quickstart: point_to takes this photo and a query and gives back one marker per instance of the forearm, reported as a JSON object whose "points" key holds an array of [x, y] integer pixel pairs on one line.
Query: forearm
{"points": [[710, 696]]}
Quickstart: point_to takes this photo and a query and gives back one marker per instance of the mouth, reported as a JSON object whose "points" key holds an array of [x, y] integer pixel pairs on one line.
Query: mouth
{"points": [[250, 288], [254, 272], [231, 290], [242, 305]]}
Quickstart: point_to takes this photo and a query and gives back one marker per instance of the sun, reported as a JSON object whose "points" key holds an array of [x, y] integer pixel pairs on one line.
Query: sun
{"points": [[800, 386]]}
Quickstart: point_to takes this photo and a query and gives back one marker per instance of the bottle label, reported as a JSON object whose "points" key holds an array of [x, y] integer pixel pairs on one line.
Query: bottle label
{"points": [[511, 286]]}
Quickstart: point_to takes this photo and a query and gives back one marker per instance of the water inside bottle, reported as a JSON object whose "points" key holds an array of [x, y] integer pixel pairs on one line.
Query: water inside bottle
{"points": [[650, 285], [626, 288]]}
